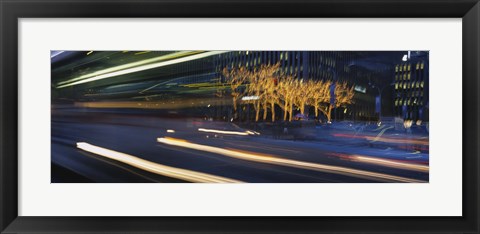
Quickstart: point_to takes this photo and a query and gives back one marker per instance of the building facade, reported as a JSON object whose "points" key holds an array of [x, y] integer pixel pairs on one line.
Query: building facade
{"points": [[411, 89]]}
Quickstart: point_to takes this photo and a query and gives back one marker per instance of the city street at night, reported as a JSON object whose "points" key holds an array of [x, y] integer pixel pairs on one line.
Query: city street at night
{"points": [[191, 116], [139, 137]]}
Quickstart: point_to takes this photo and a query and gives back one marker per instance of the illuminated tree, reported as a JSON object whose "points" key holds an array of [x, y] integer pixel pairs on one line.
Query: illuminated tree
{"points": [[267, 86], [343, 96], [254, 90], [269, 77], [285, 92], [261, 88], [319, 95], [304, 92], [235, 79]]}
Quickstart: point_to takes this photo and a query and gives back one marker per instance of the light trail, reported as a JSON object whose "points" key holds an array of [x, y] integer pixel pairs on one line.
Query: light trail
{"points": [[391, 163], [399, 141], [56, 53], [270, 159], [379, 135], [246, 133], [128, 65], [141, 68], [156, 168], [399, 164], [187, 103], [384, 139]]}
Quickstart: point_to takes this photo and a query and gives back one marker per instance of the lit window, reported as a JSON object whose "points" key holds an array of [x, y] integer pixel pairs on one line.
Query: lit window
{"points": [[421, 66], [408, 76], [417, 66], [409, 67], [396, 68]]}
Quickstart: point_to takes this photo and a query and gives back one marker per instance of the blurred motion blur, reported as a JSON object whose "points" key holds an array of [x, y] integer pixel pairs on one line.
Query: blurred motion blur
{"points": [[239, 116]]}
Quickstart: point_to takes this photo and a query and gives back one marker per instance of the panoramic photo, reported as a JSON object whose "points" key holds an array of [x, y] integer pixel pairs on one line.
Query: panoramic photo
{"points": [[239, 116]]}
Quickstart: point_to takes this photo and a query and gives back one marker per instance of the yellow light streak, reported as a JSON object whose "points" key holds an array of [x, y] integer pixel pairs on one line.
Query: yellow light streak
{"points": [[226, 132], [391, 163], [130, 65], [398, 141], [263, 158], [144, 104], [173, 172], [142, 52]]}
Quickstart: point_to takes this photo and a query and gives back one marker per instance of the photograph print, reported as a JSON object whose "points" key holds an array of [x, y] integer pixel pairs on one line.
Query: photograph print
{"points": [[239, 116]]}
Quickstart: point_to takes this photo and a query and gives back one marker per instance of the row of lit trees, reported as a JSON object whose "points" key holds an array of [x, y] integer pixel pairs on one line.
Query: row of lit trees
{"points": [[267, 86]]}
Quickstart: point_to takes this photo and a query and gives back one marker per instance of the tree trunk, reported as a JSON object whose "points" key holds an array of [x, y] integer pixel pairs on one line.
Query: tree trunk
{"points": [[265, 110], [323, 111], [234, 99], [257, 110], [329, 113], [285, 110], [291, 112], [272, 106]]}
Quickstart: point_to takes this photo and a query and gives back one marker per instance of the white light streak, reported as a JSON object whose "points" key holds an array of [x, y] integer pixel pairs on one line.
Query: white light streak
{"points": [[226, 132], [249, 98], [84, 79], [156, 168]]}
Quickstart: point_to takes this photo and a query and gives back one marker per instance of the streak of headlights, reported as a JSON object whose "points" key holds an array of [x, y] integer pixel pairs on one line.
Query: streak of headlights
{"points": [[287, 162], [156, 168], [226, 132], [391, 163]]}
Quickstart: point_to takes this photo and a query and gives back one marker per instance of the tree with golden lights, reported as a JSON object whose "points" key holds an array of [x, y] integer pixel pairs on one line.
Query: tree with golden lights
{"points": [[343, 96], [319, 96], [236, 77], [269, 87]]}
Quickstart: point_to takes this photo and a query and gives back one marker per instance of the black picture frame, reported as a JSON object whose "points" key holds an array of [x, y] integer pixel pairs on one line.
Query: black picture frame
{"points": [[12, 10]]}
